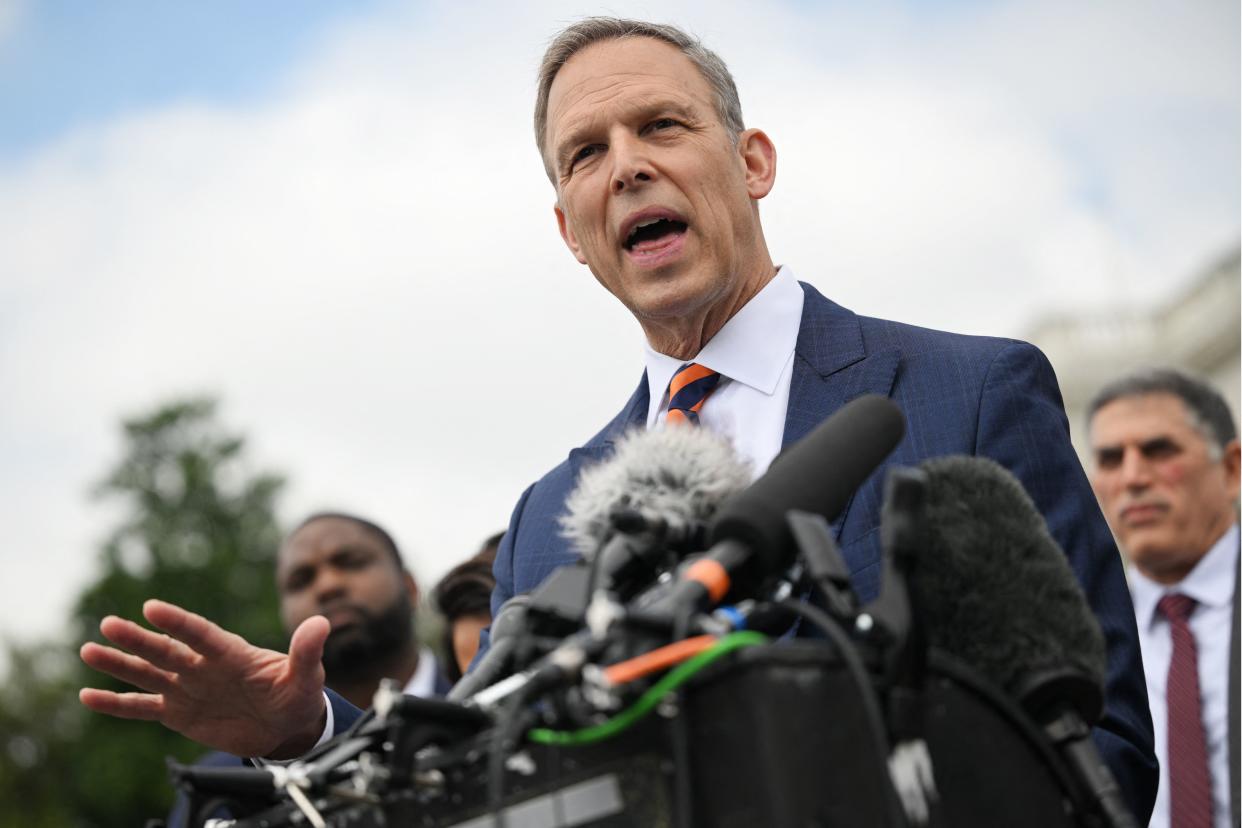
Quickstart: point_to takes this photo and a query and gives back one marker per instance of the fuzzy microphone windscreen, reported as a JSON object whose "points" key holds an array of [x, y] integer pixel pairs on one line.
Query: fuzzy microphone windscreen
{"points": [[679, 474], [992, 586]]}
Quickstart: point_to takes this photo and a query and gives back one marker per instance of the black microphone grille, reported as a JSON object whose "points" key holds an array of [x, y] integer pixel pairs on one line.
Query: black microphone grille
{"points": [[993, 587], [817, 474]]}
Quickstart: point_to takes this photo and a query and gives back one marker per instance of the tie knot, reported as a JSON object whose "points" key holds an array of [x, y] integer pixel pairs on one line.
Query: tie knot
{"points": [[688, 390], [1176, 607]]}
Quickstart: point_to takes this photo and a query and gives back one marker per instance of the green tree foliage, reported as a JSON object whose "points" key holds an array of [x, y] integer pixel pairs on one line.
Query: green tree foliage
{"points": [[197, 529], [39, 728]]}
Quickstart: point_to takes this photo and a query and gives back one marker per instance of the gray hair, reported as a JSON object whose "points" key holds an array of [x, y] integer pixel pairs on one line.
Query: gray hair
{"points": [[1207, 409], [573, 39]]}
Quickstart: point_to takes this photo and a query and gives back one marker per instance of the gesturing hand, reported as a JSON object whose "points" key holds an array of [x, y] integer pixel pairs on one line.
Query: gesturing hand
{"points": [[211, 685]]}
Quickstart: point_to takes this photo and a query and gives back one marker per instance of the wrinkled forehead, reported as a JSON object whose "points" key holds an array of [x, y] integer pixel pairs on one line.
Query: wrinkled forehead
{"points": [[622, 72]]}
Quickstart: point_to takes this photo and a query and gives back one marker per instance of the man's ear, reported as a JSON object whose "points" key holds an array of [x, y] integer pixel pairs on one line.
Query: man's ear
{"points": [[759, 157], [571, 241], [411, 587], [1232, 461]]}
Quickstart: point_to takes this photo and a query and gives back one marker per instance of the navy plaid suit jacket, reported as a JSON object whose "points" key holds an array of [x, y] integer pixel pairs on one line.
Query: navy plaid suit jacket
{"points": [[960, 395]]}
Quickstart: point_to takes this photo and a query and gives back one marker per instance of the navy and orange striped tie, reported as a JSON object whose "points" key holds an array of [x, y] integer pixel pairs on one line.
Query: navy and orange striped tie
{"points": [[687, 391]]}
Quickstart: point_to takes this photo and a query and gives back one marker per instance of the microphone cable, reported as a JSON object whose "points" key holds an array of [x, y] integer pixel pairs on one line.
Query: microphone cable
{"points": [[650, 699]]}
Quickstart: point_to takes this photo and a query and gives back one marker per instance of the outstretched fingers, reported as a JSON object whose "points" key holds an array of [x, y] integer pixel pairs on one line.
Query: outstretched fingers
{"points": [[144, 706], [163, 652], [207, 683], [199, 634], [128, 668]]}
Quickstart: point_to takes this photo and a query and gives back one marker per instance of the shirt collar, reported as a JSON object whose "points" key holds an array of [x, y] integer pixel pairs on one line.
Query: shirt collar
{"points": [[1211, 582], [753, 346], [423, 682]]}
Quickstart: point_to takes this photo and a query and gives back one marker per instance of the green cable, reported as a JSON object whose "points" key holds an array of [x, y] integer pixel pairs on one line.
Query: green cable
{"points": [[647, 702]]}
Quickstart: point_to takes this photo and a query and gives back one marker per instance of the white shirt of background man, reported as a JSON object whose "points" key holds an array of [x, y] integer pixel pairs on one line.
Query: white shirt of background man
{"points": [[1211, 583]]}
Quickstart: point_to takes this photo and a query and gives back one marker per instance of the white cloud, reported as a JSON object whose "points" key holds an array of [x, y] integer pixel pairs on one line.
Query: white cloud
{"points": [[366, 265]]}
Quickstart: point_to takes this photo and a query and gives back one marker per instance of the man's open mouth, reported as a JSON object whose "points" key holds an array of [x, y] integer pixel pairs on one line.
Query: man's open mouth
{"points": [[654, 233]]}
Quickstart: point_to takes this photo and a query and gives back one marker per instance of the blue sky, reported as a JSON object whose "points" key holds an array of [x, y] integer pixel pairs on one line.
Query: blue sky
{"points": [[64, 64]]}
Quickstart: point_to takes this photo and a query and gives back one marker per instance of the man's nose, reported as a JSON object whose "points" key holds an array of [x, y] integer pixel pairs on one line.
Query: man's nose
{"points": [[1135, 470], [328, 585], [631, 164]]}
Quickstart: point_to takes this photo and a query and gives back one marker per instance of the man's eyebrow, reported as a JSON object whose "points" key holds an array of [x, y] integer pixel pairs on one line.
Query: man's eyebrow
{"points": [[658, 105], [352, 549], [1162, 441]]}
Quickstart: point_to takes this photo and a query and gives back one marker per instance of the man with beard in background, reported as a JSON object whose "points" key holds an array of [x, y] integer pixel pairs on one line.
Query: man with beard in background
{"points": [[350, 571]]}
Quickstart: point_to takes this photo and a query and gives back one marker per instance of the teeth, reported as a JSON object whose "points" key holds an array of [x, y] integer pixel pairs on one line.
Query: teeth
{"points": [[642, 224]]}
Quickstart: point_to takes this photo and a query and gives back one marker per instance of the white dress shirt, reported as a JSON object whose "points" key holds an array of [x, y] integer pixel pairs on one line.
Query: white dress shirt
{"points": [[423, 682], [754, 354], [1211, 583]]}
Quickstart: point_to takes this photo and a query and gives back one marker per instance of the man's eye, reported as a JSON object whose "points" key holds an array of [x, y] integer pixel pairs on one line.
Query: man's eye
{"points": [[1108, 459], [583, 154], [297, 580], [662, 123], [351, 560]]}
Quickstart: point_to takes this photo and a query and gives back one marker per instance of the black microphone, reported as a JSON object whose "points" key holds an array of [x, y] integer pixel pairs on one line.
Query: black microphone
{"points": [[751, 535], [506, 631], [994, 590]]}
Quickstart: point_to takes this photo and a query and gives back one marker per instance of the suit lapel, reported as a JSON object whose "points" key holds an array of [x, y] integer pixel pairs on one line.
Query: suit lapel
{"points": [[831, 366], [632, 415]]}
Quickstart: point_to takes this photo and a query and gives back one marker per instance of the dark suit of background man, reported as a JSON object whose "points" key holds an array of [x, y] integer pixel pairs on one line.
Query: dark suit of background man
{"points": [[657, 183], [1166, 472]]}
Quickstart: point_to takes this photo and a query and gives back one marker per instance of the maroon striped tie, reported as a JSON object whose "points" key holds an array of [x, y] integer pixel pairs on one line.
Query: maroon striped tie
{"points": [[1190, 782]]}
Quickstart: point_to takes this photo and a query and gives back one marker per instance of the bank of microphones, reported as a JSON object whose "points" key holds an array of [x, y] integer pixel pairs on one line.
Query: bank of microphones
{"points": [[707, 662]]}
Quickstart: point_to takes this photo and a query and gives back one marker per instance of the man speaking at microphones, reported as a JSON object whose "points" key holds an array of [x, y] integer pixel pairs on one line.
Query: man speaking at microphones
{"points": [[656, 183]]}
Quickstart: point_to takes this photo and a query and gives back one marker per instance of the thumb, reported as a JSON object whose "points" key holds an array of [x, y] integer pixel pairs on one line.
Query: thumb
{"points": [[306, 646]]}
